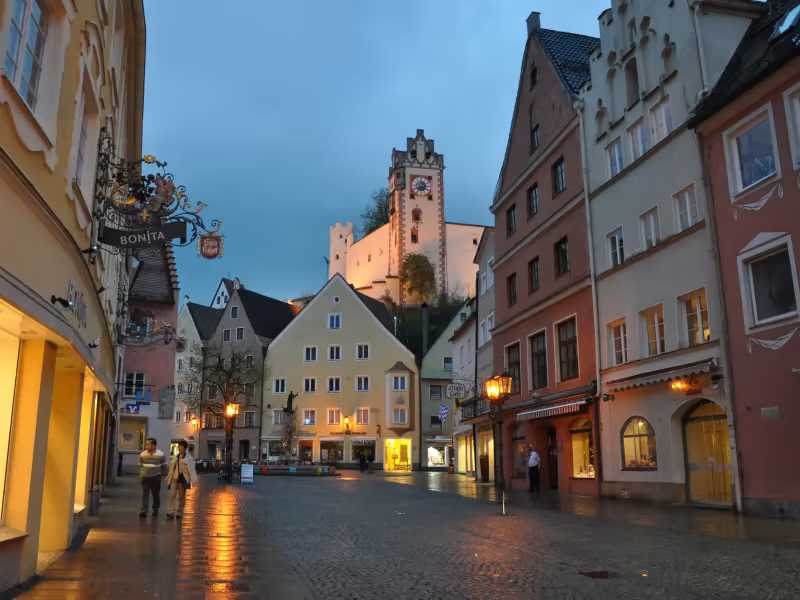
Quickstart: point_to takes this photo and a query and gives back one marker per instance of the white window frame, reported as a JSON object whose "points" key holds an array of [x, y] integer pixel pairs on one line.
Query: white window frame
{"points": [[337, 414], [134, 384], [680, 201], [360, 380], [791, 102], [240, 334], [306, 386], [482, 335], [399, 383], [338, 386], [661, 111], [334, 321], [612, 338], [315, 352], [278, 416], [226, 336], [660, 341], [444, 364], [334, 349], [359, 346], [639, 138], [649, 225], [616, 160], [729, 136], [395, 420], [362, 411], [744, 259], [279, 386], [234, 312], [615, 241], [24, 27], [310, 417], [685, 340]]}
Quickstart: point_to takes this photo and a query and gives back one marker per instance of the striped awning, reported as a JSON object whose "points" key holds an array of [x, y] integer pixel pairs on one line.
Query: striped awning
{"points": [[565, 408]]}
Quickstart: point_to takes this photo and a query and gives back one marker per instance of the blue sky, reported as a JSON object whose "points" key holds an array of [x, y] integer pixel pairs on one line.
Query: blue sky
{"points": [[281, 116]]}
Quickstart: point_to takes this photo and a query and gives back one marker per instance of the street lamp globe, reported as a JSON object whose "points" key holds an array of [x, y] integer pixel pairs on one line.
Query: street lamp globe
{"points": [[231, 409], [498, 387]]}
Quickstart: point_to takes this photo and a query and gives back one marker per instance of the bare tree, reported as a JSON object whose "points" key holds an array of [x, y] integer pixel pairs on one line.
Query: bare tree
{"points": [[221, 379]]}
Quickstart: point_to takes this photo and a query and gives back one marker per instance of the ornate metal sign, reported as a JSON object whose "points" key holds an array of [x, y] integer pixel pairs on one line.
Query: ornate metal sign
{"points": [[210, 245], [149, 236]]}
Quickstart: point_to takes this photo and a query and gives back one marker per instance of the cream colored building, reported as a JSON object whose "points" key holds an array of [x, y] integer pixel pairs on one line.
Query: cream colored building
{"points": [[356, 385], [69, 68]]}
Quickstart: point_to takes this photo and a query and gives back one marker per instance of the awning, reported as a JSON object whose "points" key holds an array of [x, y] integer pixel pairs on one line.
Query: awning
{"points": [[660, 376], [439, 439], [550, 411]]}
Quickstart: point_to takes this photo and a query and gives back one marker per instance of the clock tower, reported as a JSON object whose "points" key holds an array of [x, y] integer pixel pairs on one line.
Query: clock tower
{"points": [[416, 220]]}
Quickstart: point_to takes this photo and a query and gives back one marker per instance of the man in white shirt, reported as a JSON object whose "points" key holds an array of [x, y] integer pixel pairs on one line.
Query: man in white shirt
{"points": [[534, 464]]}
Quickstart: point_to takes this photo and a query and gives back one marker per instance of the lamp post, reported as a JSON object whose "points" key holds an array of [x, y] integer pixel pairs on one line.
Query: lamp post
{"points": [[497, 388], [231, 411]]}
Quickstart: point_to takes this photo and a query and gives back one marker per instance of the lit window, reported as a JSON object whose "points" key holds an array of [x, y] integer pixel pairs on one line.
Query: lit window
{"points": [[511, 220], [648, 224], [686, 208], [638, 445], [616, 247], [751, 152], [399, 383], [309, 416], [362, 416], [581, 442], [561, 252], [653, 321], [696, 311], [334, 321], [278, 386], [533, 275], [568, 349], [26, 38], [362, 383], [772, 285], [513, 366], [559, 176], [640, 138], [362, 351], [334, 416], [614, 152], [334, 352], [399, 416], [661, 120], [618, 334], [538, 347], [309, 385], [334, 384], [533, 200], [310, 354]]}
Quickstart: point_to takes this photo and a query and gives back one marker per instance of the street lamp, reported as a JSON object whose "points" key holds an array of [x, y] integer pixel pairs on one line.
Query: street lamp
{"points": [[347, 425], [497, 389], [231, 411]]}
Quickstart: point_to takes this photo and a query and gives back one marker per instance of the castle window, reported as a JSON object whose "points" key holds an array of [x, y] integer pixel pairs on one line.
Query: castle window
{"points": [[534, 76], [632, 82], [414, 235], [416, 215]]}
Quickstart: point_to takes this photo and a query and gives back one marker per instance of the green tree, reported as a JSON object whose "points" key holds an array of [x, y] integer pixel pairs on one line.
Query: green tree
{"points": [[418, 277], [376, 214]]}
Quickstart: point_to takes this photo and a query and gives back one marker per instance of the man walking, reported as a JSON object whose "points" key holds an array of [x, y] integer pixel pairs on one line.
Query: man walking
{"points": [[151, 469], [534, 462], [180, 477]]}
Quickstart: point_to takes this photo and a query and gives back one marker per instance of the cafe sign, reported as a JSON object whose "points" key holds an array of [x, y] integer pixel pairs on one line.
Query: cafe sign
{"points": [[142, 238], [210, 245]]}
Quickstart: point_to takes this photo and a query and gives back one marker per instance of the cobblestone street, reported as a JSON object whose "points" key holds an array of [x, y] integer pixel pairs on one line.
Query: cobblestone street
{"points": [[420, 536]]}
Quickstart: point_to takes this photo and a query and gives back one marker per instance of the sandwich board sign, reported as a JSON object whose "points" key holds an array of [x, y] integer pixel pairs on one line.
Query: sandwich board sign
{"points": [[247, 473]]}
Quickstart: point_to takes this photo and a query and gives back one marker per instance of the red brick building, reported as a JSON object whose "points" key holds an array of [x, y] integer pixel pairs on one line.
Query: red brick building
{"points": [[750, 132], [544, 332]]}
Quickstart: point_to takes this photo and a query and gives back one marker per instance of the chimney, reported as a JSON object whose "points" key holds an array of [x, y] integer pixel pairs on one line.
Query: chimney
{"points": [[425, 328], [533, 22]]}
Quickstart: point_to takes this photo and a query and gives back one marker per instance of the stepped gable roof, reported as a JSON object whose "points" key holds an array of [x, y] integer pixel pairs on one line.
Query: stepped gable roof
{"points": [[205, 319], [268, 316], [569, 53], [771, 40]]}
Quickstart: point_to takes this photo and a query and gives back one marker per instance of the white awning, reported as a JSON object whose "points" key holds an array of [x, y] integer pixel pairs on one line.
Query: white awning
{"points": [[550, 411]]}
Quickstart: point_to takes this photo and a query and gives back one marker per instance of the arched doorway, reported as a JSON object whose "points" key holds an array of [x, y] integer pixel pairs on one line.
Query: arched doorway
{"points": [[709, 476]]}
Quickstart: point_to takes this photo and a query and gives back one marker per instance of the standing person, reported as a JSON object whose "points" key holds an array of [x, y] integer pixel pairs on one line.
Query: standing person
{"points": [[362, 461], [152, 466], [180, 477], [534, 464]]}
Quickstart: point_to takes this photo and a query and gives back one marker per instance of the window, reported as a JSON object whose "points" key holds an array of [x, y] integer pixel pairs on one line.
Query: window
{"points": [[618, 335], [436, 393], [448, 363], [489, 273], [561, 252], [26, 36], [581, 441], [309, 385], [751, 152], [362, 416], [648, 223], [189, 387], [334, 321], [278, 385], [511, 220], [535, 140], [362, 383], [180, 364], [310, 354], [334, 384], [334, 416], [653, 321], [533, 77], [533, 200], [279, 417], [239, 334], [226, 335], [399, 416], [362, 351], [134, 384], [568, 349], [180, 388], [482, 338], [234, 312], [632, 81], [559, 176], [511, 289], [616, 247], [638, 445], [661, 120], [399, 383], [309, 416], [334, 352], [791, 100], [249, 390], [533, 275], [177, 416], [482, 282], [640, 138], [250, 361], [632, 33], [80, 159], [772, 285], [490, 321], [538, 347], [686, 208], [512, 366], [696, 311], [614, 151], [416, 215], [414, 235], [249, 418]]}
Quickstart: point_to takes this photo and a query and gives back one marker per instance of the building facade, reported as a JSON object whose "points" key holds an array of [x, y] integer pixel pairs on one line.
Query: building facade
{"points": [[59, 306], [352, 386], [543, 334], [667, 424], [750, 133], [416, 225]]}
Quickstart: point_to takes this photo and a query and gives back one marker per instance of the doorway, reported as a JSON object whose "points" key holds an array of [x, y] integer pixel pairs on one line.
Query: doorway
{"points": [[709, 475], [244, 450], [552, 458], [306, 448]]}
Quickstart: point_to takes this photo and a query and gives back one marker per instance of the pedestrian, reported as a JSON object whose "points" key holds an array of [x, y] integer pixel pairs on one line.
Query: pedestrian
{"points": [[180, 477], [534, 464], [152, 465], [362, 461]]}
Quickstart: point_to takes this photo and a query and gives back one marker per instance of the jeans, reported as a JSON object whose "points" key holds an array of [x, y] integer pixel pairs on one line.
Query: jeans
{"points": [[533, 479], [151, 485], [177, 498]]}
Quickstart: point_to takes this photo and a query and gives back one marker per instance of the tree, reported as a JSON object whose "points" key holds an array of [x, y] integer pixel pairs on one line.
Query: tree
{"points": [[418, 277], [376, 214]]}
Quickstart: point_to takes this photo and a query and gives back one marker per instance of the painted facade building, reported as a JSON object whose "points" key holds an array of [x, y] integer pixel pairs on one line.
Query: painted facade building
{"points": [[354, 386], [543, 334], [750, 133], [416, 225], [666, 415], [59, 312]]}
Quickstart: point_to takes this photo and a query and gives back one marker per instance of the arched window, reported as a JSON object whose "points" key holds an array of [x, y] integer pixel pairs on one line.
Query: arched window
{"points": [[414, 235], [416, 215], [638, 445], [582, 453]]}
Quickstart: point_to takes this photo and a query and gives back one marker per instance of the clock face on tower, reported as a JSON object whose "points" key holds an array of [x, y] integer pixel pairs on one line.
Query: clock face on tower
{"points": [[421, 185]]}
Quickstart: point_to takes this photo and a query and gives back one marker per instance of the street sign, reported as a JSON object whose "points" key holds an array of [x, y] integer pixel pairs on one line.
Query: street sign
{"points": [[132, 408], [142, 238], [456, 391]]}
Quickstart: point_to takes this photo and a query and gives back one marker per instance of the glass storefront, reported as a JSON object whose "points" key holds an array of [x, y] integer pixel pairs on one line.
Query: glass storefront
{"points": [[581, 441], [331, 451], [437, 455], [365, 447], [397, 455], [9, 351]]}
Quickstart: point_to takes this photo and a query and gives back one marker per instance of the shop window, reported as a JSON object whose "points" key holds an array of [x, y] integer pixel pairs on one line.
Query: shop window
{"points": [[582, 453], [9, 351], [638, 445], [365, 448], [568, 349], [513, 366]]}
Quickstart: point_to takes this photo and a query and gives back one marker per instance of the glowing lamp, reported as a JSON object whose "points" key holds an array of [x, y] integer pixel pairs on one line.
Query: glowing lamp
{"points": [[679, 385], [231, 409], [347, 423], [498, 387], [195, 422]]}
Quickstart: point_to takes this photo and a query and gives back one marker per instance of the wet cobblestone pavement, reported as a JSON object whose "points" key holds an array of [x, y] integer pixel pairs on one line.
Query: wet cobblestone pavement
{"points": [[421, 536]]}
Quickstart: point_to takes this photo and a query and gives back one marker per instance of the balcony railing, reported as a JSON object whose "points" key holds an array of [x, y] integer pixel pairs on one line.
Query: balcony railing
{"points": [[474, 407]]}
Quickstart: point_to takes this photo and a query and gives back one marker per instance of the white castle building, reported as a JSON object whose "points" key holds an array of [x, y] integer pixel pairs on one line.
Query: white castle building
{"points": [[416, 225]]}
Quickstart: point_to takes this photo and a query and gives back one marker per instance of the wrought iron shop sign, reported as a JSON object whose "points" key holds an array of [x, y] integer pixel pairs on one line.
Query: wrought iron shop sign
{"points": [[155, 235]]}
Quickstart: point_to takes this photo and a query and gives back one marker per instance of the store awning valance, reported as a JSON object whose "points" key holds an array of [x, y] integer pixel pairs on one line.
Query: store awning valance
{"points": [[660, 376], [564, 408]]}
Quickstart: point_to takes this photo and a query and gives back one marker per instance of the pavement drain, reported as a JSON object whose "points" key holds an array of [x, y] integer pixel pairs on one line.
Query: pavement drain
{"points": [[597, 574]]}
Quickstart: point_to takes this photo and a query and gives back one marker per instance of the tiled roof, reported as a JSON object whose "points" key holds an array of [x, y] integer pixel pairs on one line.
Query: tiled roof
{"points": [[268, 316], [377, 308], [569, 53], [762, 51], [205, 319]]}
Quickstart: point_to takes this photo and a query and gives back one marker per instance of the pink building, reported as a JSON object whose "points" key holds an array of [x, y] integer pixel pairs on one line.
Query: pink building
{"points": [[750, 131]]}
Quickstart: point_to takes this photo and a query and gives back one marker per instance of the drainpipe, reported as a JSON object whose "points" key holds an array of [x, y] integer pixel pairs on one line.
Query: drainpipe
{"points": [[700, 50], [261, 401], [727, 373], [579, 106]]}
